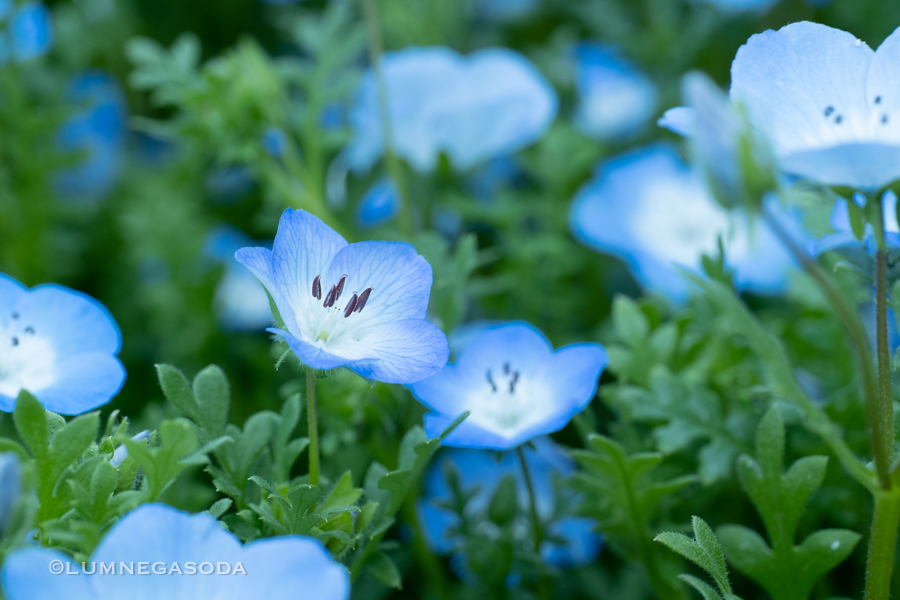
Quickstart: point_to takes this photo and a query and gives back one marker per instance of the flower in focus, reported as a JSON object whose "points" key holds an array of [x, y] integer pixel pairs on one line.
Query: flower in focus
{"points": [[654, 212], [617, 99], [515, 386], [241, 303], [10, 486], [29, 34], [360, 306], [826, 102], [168, 539], [473, 108], [479, 472], [98, 130], [379, 205], [58, 344]]}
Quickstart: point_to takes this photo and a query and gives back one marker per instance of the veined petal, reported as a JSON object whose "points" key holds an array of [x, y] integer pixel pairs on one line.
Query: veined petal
{"points": [[883, 90], [26, 576], [864, 166], [440, 391], [401, 352], [518, 343], [576, 370], [310, 354]]}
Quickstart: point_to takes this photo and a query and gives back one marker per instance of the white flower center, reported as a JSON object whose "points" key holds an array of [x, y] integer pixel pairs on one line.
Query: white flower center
{"points": [[509, 401], [27, 359], [338, 313]]}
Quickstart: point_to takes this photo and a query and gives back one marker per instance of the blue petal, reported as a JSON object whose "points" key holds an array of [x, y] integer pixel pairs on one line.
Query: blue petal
{"points": [[403, 352], [26, 576], [679, 119], [863, 166], [379, 205], [11, 292], [582, 544], [32, 35], [83, 383]]}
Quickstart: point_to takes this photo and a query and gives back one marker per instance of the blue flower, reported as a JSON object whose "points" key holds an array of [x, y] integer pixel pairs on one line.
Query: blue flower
{"points": [[844, 236], [275, 142], [654, 212], [10, 486], [479, 472], [506, 10], [163, 539], [515, 386], [58, 344], [241, 304], [489, 104], [379, 205], [826, 101], [360, 306], [617, 99], [30, 31], [6, 7], [98, 130]]}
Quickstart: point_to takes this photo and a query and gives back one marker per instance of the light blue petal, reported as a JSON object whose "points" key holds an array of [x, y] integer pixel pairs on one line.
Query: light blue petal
{"points": [[403, 352], [11, 292], [379, 205], [310, 354], [466, 435], [10, 485], [862, 166], [83, 382], [517, 342], [436, 525], [26, 576], [440, 392], [582, 546], [576, 371], [275, 142], [679, 119], [32, 35]]}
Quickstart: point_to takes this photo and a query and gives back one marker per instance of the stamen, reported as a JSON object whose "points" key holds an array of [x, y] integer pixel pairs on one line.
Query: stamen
{"points": [[15, 341], [330, 298], [838, 119], [340, 288], [884, 119], [317, 287], [348, 310], [506, 369], [877, 99], [490, 380], [363, 298], [828, 111], [30, 330], [512, 384]]}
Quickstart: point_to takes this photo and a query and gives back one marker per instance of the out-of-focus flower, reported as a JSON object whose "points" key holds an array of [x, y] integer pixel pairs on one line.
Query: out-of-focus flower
{"points": [[98, 129], [617, 99], [490, 178], [240, 302], [504, 11], [10, 486], [29, 32], [121, 453], [826, 101], [515, 386], [229, 184], [379, 205], [654, 212], [360, 306], [844, 236], [479, 472], [169, 539], [742, 5], [58, 344], [275, 142], [489, 104]]}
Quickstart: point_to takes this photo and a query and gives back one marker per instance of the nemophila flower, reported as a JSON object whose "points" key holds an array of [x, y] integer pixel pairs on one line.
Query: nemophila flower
{"points": [[479, 472], [515, 386], [491, 103], [653, 211], [29, 31], [240, 302], [379, 205], [360, 306], [163, 547], [617, 99], [58, 344], [844, 236], [827, 102], [98, 129], [506, 10], [275, 142], [10, 486], [121, 453]]}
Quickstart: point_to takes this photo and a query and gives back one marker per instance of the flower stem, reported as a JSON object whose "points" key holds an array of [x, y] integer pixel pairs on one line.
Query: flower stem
{"points": [[883, 420], [312, 421], [543, 583], [860, 342], [394, 168], [882, 545]]}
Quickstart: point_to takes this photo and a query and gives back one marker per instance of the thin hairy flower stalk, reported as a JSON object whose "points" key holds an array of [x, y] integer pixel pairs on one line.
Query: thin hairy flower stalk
{"points": [[543, 583], [882, 545], [395, 169], [884, 420], [860, 342], [312, 421]]}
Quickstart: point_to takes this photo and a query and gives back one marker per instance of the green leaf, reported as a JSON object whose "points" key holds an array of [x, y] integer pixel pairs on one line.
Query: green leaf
{"points": [[343, 494], [162, 464], [177, 390], [630, 321], [504, 503], [382, 569], [701, 586], [220, 507], [212, 396], [703, 550], [31, 424]]}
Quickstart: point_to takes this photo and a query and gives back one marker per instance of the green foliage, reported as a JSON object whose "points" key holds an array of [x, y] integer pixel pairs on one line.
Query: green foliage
{"points": [[704, 551]]}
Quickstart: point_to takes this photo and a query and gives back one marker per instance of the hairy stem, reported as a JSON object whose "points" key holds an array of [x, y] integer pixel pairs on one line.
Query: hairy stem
{"points": [[860, 341], [882, 545], [312, 421], [883, 419], [543, 583]]}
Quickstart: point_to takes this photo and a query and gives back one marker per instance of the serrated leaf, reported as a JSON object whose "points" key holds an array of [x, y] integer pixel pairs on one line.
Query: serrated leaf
{"points": [[703, 550]]}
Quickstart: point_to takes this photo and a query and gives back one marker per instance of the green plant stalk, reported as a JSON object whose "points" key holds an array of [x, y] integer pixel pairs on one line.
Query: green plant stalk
{"points": [[395, 169], [884, 418], [860, 341], [882, 545], [543, 583], [312, 421]]}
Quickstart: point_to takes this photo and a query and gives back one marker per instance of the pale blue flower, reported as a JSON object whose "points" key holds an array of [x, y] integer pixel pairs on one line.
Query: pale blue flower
{"points": [[515, 386], [274, 568], [473, 108], [6, 7], [826, 101], [58, 344], [504, 11], [360, 306], [98, 130], [10, 486], [379, 205], [479, 472], [653, 211], [844, 236], [617, 99], [30, 31], [240, 302]]}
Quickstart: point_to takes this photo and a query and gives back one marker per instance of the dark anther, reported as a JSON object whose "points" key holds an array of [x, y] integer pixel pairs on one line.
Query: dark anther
{"points": [[15, 341], [838, 119], [512, 384], [351, 306], [30, 330], [506, 369], [877, 99], [330, 298], [490, 380], [884, 119], [828, 111], [363, 298], [15, 315], [317, 287], [340, 288]]}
